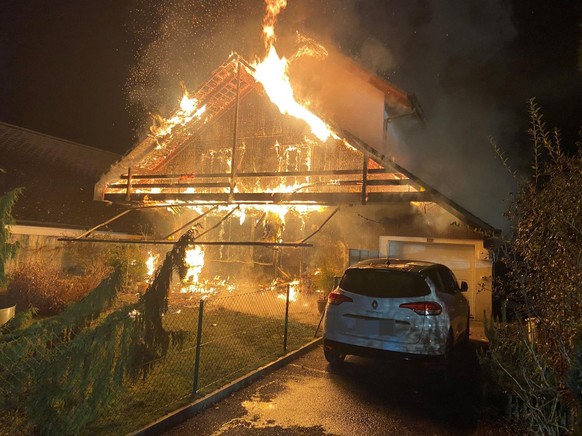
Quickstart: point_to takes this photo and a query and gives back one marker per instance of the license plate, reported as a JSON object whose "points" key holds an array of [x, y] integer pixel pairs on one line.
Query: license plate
{"points": [[375, 327], [386, 327]]}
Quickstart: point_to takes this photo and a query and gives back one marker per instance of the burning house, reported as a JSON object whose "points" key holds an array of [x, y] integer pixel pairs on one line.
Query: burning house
{"points": [[282, 166], [279, 192]]}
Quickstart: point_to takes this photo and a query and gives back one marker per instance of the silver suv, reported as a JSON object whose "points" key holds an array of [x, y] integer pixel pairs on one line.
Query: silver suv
{"points": [[403, 308]]}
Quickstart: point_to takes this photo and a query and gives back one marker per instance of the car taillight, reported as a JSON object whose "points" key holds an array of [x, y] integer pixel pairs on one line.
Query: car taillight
{"points": [[424, 307], [336, 298]]}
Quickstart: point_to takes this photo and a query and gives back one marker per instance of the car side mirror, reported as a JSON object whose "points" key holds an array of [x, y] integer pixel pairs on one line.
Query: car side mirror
{"points": [[464, 287]]}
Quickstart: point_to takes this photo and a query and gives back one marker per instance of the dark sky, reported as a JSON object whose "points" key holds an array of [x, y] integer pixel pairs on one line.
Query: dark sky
{"points": [[90, 71]]}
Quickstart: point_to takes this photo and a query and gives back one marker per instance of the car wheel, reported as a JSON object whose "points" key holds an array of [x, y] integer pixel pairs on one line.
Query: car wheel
{"points": [[333, 356], [449, 347], [444, 369]]}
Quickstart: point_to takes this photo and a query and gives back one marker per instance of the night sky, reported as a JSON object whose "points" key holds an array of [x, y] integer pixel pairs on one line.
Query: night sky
{"points": [[91, 71]]}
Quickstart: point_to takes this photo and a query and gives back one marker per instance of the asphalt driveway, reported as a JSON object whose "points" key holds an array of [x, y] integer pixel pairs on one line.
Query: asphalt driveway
{"points": [[363, 397]]}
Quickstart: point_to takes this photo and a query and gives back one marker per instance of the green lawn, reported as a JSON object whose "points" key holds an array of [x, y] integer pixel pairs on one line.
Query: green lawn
{"points": [[233, 343]]}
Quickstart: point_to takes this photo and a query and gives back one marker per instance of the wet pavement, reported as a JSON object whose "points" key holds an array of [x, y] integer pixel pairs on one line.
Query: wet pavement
{"points": [[362, 397]]}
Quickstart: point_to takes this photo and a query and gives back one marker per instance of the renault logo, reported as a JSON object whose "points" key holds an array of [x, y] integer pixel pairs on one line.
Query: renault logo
{"points": [[374, 304]]}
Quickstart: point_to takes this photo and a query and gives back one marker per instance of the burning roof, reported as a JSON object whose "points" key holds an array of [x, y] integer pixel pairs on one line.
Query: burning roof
{"points": [[229, 144], [272, 148], [244, 139]]}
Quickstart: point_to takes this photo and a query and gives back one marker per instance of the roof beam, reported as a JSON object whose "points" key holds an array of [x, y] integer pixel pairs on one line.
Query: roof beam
{"points": [[325, 198], [262, 174], [164, 242]]}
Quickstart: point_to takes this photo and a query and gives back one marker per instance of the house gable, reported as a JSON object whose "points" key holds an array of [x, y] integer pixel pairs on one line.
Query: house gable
{"points": [[241, 150]]}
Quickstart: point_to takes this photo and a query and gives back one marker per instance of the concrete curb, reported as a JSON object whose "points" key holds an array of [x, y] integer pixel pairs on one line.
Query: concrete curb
{"points": [[188, 411]]}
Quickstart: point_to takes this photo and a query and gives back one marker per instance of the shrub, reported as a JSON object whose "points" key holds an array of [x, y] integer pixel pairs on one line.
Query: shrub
{"points": [[49, 290], [131, 262], [531, 358], [7, 249]]}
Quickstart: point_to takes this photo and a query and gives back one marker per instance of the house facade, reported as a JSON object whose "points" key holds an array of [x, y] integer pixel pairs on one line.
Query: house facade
{"points": [[236, 153]]}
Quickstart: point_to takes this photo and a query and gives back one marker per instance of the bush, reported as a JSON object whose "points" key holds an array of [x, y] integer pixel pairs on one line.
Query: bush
{"points": [[49, 290], [131, 262], [532, 359]]}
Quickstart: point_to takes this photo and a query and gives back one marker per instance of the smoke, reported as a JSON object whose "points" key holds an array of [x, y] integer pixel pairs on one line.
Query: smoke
{"points": [[453, 56], [181, 41]]}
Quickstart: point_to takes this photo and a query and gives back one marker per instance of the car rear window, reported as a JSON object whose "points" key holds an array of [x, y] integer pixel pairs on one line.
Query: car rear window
{"points": [[383, 283]]}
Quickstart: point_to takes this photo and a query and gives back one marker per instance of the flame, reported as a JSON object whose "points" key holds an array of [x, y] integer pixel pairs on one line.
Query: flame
{"points": [[272, 10], [195, 260], [272, 73], [151, 266], [192, 283], [188, 111], [293, 292]]}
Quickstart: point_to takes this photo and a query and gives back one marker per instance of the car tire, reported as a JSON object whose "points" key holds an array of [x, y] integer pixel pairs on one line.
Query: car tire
{"points": [[444, 369], [449, 346], [333, 357]]}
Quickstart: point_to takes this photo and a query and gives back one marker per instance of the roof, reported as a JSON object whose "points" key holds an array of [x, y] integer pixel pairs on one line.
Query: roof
{"points": [[58, 177], [346, 170], [72, 156]]}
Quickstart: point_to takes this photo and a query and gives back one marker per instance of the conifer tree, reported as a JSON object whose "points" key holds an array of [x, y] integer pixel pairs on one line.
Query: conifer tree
{"points": [[7, 248]]}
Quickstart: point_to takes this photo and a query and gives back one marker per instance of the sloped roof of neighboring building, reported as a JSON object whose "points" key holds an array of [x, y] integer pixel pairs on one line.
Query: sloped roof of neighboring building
{"points": [[58, 177]]}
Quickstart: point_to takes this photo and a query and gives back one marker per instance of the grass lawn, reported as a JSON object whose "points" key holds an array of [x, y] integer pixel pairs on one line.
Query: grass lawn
{"points": [[233, 343]]}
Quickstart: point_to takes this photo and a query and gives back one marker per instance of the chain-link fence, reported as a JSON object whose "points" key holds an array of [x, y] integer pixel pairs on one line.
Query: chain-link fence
{"points": [[214, 341]]}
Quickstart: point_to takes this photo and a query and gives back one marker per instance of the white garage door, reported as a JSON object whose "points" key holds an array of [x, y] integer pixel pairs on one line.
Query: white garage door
{"points": [[459, 258]]}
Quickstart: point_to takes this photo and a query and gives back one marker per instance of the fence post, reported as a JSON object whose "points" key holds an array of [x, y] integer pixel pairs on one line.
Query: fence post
{"points": [[286, 319], [198, 346]]}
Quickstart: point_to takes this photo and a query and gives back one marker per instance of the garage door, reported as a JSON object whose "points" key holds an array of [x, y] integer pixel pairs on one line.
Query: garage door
{"points": [[459, 258]]}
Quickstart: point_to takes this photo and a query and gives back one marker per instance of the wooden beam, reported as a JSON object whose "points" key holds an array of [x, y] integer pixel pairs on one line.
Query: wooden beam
{"points": [[128, 191], [189, 223], [163, 242], [174, 185], [216, 185], [235, 129], [260, 174], [337, 209], [365, 178], [91, 230], [319, 198]]}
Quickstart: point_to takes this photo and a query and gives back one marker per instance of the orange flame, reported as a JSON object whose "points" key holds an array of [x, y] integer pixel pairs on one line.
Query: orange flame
{"points": [[293, 292], [272, 10], [151, 266], [272, 73], [195, 261], [188, 111]]}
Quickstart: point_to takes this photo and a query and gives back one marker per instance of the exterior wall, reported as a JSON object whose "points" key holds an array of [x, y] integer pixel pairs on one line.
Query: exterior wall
{"points": [[41, 244], [344, 97], [467, 258], [359, 110]]}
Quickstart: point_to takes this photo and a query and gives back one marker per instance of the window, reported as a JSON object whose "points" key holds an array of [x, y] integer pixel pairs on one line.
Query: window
{"points": [[449, 280], [381, 283], [434, 277]]}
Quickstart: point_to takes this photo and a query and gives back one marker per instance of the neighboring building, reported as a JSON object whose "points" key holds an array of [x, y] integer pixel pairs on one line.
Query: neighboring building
{"points": [[237, 149], [58, 178]]}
